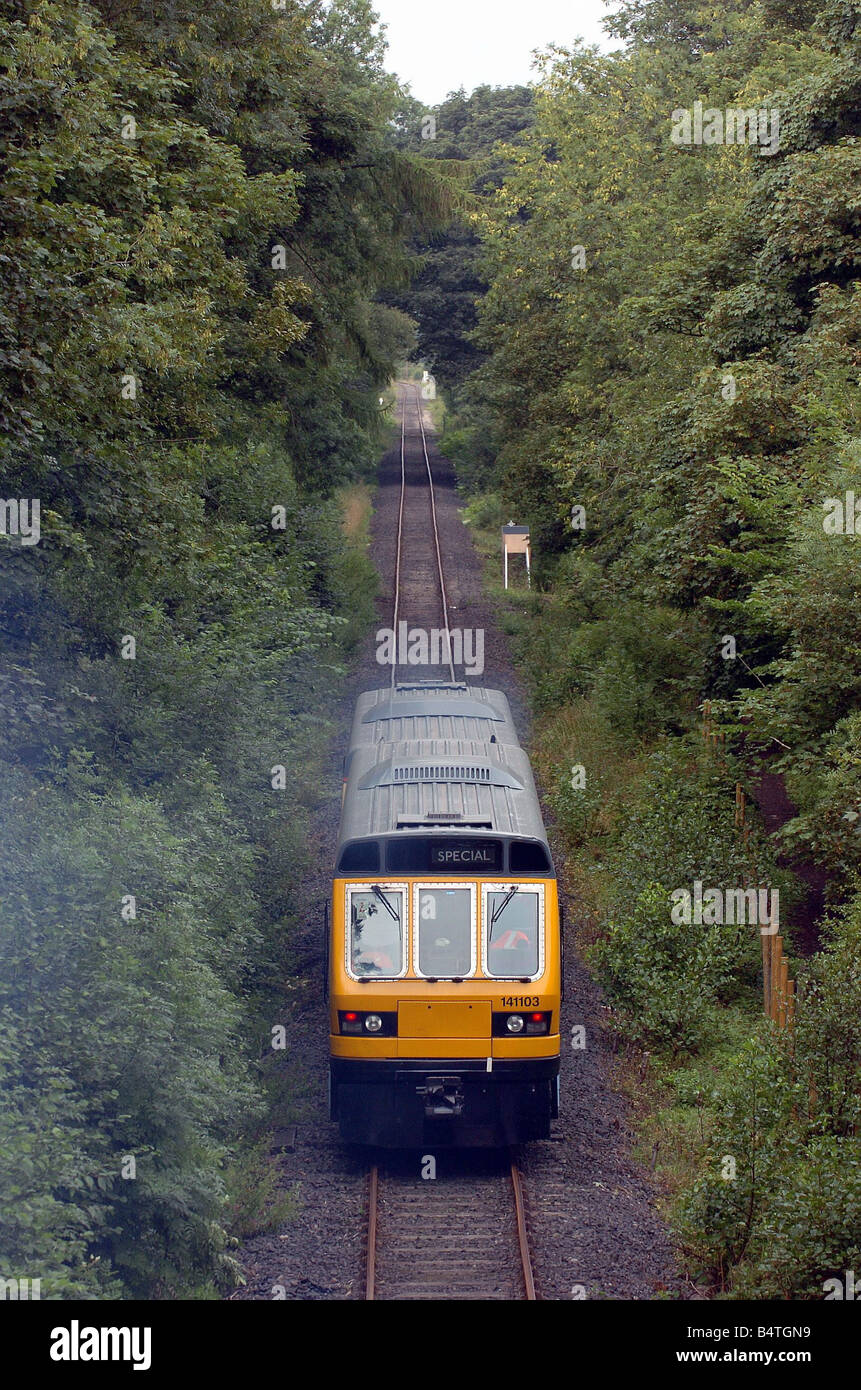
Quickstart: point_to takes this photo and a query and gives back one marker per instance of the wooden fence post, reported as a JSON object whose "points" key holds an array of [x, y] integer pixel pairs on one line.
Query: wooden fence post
{"points": [[766, 973], [778, 991], [784, 991]]}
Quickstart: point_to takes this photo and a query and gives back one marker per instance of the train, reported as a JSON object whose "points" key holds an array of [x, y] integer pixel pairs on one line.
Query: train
{"points": [[443, 937]]}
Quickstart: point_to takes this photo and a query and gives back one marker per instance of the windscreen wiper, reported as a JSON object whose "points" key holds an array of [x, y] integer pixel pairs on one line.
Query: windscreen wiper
{"points": [[500, 907], [375, 889]]}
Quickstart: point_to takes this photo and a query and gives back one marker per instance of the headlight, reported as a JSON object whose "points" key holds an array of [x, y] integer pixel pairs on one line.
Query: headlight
{"points": [[514, 1023], [378, 1025]]}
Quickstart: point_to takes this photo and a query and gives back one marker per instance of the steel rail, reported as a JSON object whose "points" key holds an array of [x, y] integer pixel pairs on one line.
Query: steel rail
{"points": [[436, 542], [520, 1220], [522, 1233], [398, 541], [435, 528], [371, 1261]]}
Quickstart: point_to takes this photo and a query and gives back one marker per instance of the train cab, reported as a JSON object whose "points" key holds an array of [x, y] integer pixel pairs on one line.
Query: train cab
{"points": [[443, 967]]}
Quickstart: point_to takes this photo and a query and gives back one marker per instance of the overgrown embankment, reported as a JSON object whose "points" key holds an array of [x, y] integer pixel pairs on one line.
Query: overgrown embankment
{"points": [[753, 1132], [200, 208]]}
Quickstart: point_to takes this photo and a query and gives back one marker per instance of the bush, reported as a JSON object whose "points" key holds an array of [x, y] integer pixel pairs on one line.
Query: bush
{"points": [[667, 977], [810, 1229], [788, 1115], [719, 1215], [128, 1029]]}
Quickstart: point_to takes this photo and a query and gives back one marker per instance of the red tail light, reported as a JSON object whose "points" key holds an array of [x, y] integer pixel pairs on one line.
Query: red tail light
{"points": [[537, 1023]]}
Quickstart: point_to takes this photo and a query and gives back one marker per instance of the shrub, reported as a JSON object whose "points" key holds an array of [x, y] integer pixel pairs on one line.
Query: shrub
{"points": [[787, 1113]]}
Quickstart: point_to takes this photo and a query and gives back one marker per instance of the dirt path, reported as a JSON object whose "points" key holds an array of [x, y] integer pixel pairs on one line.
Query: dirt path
{"points": [[594, 1226]]}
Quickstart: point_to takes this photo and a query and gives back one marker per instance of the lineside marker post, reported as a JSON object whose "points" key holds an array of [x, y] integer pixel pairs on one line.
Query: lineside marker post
{"points": [[515, 541]]}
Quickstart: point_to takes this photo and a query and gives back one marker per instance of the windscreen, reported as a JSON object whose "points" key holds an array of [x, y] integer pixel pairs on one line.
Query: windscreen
{"points": [[376, 932], [444, 929], [512, 933]]}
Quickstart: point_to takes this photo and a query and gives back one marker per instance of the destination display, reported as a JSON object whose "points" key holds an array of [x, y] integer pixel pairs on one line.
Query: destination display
{"points": [[486, 856], [423, 854], [453, 854]]}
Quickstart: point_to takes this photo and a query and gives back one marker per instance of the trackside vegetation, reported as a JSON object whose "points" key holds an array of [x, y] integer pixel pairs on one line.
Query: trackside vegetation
{"points": [[668, 398]]}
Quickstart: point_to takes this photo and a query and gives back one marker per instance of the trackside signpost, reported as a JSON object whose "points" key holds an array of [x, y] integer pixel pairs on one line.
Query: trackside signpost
{"points": [[515, 541]]}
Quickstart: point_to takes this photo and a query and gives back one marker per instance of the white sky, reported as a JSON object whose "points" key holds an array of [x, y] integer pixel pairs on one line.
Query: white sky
{"points": [[439, 45]]}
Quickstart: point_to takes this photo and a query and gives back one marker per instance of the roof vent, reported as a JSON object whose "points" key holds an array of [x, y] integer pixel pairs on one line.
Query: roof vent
{"points": [[439, 772], [434, 822]]}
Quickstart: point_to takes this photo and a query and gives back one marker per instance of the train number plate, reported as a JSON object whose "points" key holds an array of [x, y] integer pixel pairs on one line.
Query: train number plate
{"points": [[521, 1001]]}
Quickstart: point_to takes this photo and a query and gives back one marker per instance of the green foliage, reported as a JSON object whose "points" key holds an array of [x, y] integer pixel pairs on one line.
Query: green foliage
{"points": [[470, 131], [140, 1021], [666, 977], [608, 386], [257, 1204], [827, 790], [201, 208], [661, 976], [788, 1113], [827, 1048], [811, 1229], [581, 735], [721, 1215]]}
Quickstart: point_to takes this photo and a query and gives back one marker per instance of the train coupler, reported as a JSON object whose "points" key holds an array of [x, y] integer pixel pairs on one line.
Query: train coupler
{"points": [[443, 1096]]}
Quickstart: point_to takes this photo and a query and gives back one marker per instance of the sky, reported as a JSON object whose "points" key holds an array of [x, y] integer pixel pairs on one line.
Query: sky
{"points": [[439, 45]]}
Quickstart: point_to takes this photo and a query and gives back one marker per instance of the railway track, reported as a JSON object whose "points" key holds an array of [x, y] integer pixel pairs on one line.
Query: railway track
{"points": [[418, 532], [460, 1236]]}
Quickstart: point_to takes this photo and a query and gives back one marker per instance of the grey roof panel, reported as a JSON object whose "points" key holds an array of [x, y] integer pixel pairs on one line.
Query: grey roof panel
{"points": [[427, 705], [376, 802], [432, 710]]}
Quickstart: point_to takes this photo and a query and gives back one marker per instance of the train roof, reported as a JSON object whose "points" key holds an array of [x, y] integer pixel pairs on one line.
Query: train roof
{"points": [[431, 758], [428, 785], [432, 710]]}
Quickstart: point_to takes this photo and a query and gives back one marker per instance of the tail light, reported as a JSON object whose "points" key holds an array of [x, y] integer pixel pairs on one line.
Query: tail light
{"points": [[537, 1023]]}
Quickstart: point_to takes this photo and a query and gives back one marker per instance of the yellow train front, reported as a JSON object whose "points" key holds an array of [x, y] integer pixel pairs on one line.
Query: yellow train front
{"points": [[443, 939]]}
